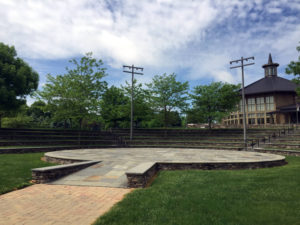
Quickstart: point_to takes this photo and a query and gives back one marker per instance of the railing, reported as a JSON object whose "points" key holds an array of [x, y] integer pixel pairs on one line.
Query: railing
{"points": [[274, 135]]}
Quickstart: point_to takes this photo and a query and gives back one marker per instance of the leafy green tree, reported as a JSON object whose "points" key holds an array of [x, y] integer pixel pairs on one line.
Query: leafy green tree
{"points": [[40, 116], [167, 94], [17, 79], [114, 108], [18, 118], [194, 116], [214, 101], [294, 68], [76, 94], [174, 119], [141, 105]]}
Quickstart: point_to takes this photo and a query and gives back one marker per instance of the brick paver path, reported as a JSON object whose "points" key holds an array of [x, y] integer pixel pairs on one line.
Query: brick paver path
{"points": [[43, 204]]}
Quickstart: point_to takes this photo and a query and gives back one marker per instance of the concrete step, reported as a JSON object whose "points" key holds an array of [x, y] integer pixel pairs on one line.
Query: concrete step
{"points": [[54, 142], [55, 137], [184, 143], [187, 146], [282, 146], [31, 149]]}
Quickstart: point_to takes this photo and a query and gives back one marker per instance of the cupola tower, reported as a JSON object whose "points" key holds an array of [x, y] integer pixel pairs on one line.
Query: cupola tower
{"points": [[270, 68]]}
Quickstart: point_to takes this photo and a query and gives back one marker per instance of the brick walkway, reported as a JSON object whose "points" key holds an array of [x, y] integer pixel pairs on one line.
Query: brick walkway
{"points": [[43, 204]]}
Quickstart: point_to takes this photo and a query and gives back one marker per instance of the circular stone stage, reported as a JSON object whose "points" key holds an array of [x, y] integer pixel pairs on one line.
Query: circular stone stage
{"points": [[116, 163]]}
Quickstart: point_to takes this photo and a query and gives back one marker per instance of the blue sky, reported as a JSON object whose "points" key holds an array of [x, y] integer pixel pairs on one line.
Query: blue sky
{"points": [[194, 39]]}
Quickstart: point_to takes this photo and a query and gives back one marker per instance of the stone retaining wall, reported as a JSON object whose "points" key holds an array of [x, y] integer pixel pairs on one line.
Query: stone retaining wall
{"points": [[142, 179], [51, 173]]}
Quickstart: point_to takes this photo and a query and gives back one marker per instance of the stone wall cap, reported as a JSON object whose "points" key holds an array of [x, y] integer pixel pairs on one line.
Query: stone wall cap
{"points": [[49, 168], [141, 168]]}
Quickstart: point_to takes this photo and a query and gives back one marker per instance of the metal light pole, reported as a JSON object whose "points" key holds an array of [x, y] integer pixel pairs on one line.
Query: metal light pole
{"points": [[132, 68], [243, 91]]}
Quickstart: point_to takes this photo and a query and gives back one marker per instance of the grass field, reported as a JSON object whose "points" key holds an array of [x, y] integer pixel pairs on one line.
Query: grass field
{"points": [[15, 170], [261, 196]]}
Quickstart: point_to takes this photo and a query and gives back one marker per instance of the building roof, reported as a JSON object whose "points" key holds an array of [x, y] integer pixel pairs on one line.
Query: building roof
{"points": [[287, 108], [270, 84], [290, 108]]}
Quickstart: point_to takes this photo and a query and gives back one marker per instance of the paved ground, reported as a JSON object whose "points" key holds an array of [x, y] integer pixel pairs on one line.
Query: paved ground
{"points": [[116, 161], [43, 204]]}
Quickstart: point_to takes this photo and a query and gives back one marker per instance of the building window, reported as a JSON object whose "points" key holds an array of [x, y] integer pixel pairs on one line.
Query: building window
{"points": [[270, 103], [251, 118], [251, 104], [241, 105], [260, 102], [270, 71], [260, 118]]}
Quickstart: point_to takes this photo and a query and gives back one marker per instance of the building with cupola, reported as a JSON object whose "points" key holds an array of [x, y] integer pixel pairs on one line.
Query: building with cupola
{"points": [[270, 100]]}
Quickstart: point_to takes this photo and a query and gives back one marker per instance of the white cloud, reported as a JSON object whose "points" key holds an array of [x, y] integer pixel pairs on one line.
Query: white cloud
{"points": [[134, 32], [163, 35]]}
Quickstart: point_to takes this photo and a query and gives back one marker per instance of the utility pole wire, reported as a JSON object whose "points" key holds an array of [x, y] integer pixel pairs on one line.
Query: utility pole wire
{"points": [[243, 91], [132, 68]]}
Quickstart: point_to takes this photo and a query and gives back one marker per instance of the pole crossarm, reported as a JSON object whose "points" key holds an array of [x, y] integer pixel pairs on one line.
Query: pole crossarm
{"points": [[249, 64], [133, 72], [243, 90], [242, 59]]}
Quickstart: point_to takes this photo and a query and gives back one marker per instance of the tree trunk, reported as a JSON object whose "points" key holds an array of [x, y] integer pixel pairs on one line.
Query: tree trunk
{"points": [[0, 120], [71, 125]]}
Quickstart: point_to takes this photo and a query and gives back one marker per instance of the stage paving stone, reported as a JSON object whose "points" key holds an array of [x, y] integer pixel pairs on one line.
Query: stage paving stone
{"points": [[110, 172]]}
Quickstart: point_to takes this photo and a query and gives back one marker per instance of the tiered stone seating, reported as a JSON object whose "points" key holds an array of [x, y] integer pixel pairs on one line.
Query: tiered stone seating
{"points": [[290, 141], [227, 139], [38, 140]]}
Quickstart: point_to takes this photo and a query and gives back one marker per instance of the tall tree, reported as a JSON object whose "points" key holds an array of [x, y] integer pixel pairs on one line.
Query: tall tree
{"points": [[114, 107], [76, 94], [195, 116], [17, 79], [141, 105], [294, 68], [168, 94], [214, 101], [37, 112]]}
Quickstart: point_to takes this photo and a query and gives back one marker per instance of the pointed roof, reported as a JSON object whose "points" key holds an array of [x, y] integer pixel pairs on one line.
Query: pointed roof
{"points": [[270, 84], [270, 61]]}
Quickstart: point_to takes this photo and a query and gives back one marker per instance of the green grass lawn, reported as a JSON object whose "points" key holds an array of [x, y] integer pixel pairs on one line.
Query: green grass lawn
{"points": [[261, 196], [15, 170]]}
